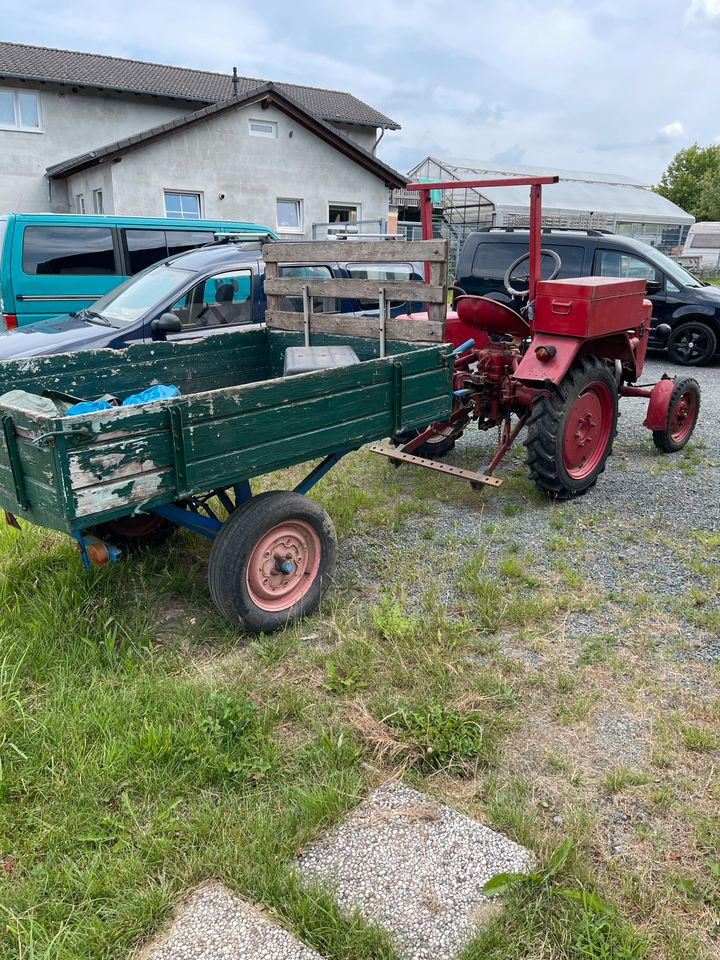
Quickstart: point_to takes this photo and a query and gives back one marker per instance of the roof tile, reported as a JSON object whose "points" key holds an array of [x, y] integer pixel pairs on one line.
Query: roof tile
{"points": [[138, 76]]}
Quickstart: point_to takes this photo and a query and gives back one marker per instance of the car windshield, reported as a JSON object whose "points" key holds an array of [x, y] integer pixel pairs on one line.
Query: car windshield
{"points": [[134, 298], [677, 274]]}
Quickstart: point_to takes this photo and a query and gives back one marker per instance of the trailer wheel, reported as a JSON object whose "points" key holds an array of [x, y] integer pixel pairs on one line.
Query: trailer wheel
{"points": [[571, 430], [272, 560], [682, 414], [136, 532]]}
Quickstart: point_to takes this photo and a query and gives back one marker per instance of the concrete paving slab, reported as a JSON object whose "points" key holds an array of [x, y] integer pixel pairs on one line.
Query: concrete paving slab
{"points": [[414, 867], [216, 924]]}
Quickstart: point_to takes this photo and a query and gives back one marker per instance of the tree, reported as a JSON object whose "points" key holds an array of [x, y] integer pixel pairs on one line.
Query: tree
{"points": [[692, 181], [709, 201]]}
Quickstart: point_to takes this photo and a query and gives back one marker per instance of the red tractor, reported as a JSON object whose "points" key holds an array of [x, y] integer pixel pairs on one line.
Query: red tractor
{"points": [[558, 367]]}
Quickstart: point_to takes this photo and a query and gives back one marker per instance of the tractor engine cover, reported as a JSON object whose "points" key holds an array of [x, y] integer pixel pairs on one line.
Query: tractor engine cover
{"points": [[588, 307]]}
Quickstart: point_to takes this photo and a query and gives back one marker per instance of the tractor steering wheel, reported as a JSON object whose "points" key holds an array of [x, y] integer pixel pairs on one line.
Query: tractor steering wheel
{"points": [[526, 256]]}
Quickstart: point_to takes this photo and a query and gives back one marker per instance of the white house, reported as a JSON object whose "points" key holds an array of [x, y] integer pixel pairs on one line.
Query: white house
{"points": [[83, 133]]}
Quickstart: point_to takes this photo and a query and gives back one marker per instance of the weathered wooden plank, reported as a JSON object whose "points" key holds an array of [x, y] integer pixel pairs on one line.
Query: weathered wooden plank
{"points": [[437, 312], [381, 251], [396, 290], [417, 331], [123, 495], [278, 454], [87, 373]]}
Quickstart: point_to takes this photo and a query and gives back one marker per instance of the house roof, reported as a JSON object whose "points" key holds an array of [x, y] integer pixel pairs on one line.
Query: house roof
{"points": [[267, 93], [48, 64]]}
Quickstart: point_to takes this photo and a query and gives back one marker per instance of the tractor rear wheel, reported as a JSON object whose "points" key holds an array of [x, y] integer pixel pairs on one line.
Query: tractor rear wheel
{"points": [[272, 560], [571, 430], [682, 414]]}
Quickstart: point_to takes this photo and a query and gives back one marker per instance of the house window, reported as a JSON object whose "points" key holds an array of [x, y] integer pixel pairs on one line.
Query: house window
{"points": [[98, 201], [263, 128], [19, 110], [182, 206], [289, 216], [79, 203], [342, 213]]}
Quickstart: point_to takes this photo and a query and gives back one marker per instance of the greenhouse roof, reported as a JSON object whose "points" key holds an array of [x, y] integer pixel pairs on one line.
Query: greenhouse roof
{"points": [[577, 192]]}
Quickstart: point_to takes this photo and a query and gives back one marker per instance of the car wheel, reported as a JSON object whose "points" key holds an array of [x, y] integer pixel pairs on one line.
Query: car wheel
{"points": [[692, 344]]}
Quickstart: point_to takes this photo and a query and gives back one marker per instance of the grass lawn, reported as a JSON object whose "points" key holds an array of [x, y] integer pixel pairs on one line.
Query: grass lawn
{"points": [[147, 747]]}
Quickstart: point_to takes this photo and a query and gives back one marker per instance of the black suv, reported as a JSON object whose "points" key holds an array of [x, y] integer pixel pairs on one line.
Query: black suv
{"points": [[690, 307]]}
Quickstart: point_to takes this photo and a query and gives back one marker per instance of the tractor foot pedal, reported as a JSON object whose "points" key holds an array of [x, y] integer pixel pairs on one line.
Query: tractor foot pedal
{"points": [[397, 456]]}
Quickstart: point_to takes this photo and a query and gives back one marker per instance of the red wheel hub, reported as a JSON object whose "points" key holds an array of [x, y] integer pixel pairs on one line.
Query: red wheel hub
{"points": [[587, 430], [683, 417], [283, 566], [140, 525]]}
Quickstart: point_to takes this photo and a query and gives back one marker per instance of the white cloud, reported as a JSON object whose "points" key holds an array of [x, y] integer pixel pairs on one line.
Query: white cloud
{"points": [[671, 131], [700, 11], [562, 82]]}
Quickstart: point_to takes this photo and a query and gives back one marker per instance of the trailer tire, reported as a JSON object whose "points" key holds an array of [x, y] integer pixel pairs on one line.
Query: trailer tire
{"points": [[136, 532], [571, 430], [246, 582], [682, 414]]}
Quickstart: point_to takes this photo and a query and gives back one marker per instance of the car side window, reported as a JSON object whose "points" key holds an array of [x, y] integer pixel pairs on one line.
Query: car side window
{"points": [[295, 304], [380, 272], [615, 263], [68, 251], [222, 300]]}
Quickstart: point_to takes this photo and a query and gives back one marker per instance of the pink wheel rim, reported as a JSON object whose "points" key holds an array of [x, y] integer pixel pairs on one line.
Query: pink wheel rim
{"points": [[684, 416], [587, 431], [283, 566]]}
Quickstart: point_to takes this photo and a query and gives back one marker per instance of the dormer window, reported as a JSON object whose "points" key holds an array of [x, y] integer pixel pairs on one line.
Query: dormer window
{"points": [[20, 110]]}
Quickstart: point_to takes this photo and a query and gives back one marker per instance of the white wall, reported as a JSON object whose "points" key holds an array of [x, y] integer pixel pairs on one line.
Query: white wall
{"points": [[73, 123], [221, 157]]}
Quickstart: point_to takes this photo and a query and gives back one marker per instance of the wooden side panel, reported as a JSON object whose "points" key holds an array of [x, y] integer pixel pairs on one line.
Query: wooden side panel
{"points": [[230, 435], [139, 456], [385, 251], [401, 290], [207, 364], [412, 331]]}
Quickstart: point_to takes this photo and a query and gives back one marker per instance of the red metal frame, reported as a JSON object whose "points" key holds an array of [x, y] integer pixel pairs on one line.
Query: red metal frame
{"points": [[535, 184]]}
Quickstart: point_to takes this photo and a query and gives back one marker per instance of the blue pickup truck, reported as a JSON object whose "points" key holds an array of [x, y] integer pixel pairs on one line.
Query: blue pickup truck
{"points": [[213, 289]]}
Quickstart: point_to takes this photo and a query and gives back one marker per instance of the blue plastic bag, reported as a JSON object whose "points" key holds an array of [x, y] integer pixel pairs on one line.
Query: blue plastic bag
{"points": [[158, 392], [87, 406]]}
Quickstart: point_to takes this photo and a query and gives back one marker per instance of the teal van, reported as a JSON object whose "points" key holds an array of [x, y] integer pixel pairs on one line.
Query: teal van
{"points": [[53, 264]]}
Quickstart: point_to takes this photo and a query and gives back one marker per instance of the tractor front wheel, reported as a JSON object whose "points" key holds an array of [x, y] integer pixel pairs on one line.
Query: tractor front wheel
{"points": [[272, 560], [572, 428], [682, 414]]}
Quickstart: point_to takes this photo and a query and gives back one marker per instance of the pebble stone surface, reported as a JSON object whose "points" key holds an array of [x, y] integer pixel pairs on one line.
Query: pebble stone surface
{"points": [[216, 924], [414, 867]]}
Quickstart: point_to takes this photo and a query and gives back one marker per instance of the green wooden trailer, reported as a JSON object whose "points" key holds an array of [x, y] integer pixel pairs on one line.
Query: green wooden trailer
{"points": [[130, 474]]}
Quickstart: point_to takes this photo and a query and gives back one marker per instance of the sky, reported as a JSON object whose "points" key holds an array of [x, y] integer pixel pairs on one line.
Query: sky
{"points": [[616, 86]]}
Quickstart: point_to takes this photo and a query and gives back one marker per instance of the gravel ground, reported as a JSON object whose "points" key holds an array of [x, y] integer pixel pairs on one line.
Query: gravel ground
{"points": [[638, 519], [215, 924], [415, 867]]}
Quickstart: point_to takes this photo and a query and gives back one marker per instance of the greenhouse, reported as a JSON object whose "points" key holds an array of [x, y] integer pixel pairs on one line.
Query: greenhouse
{"points": [[580, 201]]}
